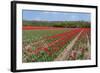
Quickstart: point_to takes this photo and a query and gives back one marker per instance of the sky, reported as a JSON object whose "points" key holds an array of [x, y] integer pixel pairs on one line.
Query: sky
{"points": [[55, 16]]}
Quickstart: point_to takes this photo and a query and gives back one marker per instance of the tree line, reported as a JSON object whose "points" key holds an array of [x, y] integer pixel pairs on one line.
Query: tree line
{"points": [[66, 24]]}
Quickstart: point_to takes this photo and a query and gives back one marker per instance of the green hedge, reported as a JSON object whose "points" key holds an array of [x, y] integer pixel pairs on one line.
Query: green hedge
{"points": [[69, 24]]}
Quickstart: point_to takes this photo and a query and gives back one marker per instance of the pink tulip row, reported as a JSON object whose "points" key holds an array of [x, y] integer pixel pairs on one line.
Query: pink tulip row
{"points": [[80, 48]]}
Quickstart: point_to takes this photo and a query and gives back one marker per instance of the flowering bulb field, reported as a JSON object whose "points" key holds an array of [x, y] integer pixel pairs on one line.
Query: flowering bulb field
{"points": [[55, 44]]}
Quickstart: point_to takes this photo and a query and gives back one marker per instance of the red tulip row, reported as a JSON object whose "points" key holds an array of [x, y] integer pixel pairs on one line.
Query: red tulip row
{"points": [[59, 43]]}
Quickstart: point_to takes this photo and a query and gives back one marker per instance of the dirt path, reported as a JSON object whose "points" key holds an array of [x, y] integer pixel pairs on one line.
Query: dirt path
{"points": [[63, 54], [88, 54]]}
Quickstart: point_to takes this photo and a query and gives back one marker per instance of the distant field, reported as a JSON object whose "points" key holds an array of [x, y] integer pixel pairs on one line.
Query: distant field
{"points": [[42, 28]]}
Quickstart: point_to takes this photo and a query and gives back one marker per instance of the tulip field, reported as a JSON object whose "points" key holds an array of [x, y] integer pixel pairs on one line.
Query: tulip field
{"points": [[55, 44]]}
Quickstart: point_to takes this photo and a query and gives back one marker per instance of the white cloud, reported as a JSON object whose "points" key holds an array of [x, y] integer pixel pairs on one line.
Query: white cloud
{"points": [[50, 12], [39, 19]]}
